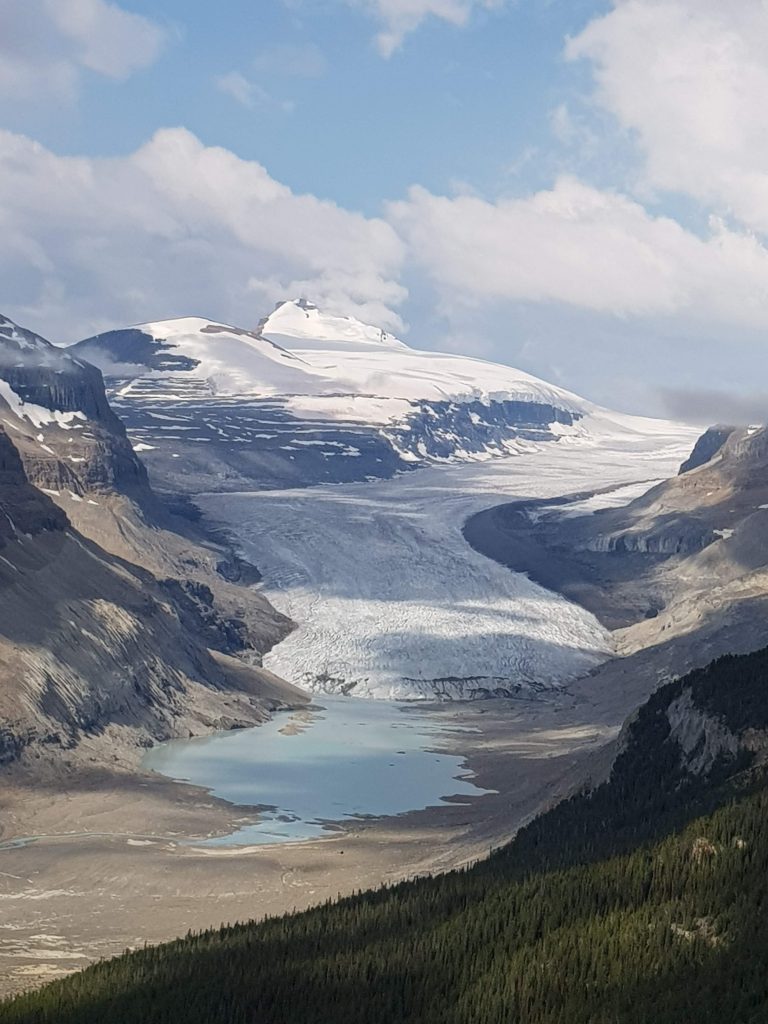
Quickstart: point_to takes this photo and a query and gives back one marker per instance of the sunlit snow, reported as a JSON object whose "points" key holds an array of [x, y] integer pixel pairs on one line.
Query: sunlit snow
{"points": [[37, 414], [327, 367]]}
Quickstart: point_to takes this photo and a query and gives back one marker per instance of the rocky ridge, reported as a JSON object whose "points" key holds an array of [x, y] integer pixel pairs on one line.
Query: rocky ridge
{"points": [[680, 574], [121, 623], [56, 409]]}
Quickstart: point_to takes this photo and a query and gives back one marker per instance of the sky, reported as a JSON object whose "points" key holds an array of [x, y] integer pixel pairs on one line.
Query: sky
{"points": [[577, 188]]}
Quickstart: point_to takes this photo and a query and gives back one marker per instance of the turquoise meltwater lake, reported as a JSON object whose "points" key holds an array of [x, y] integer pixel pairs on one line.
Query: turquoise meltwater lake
{"points": [[339, 760]]}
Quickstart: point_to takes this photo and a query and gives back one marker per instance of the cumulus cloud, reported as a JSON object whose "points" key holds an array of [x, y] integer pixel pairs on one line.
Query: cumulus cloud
{"points": [[45, 45], [689, 79], [178, 228], [400, 17], [585, 247]]}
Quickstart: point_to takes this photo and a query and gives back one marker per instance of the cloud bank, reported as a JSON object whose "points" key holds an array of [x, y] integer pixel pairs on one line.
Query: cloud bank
{"points": [[689, 78], [175, 228], [587, 248]]}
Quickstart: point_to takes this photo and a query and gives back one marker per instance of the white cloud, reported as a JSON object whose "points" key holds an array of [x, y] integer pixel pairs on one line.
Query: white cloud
{"points": [[181, 228], [238, 87], [250, 94], [587, 248], [297, 61], [690, 79], [400, 17], [177, 228], [45, 45]]}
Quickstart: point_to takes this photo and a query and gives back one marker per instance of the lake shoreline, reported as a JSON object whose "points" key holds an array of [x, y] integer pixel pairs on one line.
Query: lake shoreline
{"points": [[101, 894], [338, 762]]}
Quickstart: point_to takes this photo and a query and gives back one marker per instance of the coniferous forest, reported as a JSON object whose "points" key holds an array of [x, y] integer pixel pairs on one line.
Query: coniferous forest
{"points": [[644, 902]]}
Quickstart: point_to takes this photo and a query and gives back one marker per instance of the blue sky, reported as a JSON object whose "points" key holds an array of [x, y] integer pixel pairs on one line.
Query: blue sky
{"points": [[578, 188], [453, 106]]}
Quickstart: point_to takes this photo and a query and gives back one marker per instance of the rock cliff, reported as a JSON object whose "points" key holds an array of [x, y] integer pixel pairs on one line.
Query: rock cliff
{"points": [[94, 646], [707, 446], [120, 622], [57, 411]]}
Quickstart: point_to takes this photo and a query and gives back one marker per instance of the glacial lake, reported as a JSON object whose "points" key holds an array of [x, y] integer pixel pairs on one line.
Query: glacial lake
{"points": [[342, 759]]}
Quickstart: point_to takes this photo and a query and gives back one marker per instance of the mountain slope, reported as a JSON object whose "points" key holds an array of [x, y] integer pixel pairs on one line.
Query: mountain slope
{"points": [[638, 902], [679, 573], [56, 409], [311, 397], [92, 645], [118, 619], [363, 361]]}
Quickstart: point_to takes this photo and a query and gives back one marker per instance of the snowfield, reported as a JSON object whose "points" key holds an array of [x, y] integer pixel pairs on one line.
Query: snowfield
{"points": [[313, 397], [389, 599], [325, 366]]}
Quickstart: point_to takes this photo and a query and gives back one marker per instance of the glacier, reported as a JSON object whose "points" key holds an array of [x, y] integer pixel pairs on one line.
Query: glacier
{"points": [[312, 397], [391, 602]]}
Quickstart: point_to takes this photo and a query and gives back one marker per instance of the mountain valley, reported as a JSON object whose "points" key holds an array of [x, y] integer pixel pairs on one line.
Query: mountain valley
{"points": [[237, 577], [383, 512]]}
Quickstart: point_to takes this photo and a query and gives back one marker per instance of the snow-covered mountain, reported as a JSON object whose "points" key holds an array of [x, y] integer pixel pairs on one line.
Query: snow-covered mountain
{"points": [[310, 397], [381, 377], [55, 409]]}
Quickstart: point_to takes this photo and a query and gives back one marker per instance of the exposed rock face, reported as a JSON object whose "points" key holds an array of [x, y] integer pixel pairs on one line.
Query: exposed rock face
{"points": [[707, 446], [441, 430], [94, 646], [115, 625], [702, 737], [675, 536], [23, 509], [57, 411]]}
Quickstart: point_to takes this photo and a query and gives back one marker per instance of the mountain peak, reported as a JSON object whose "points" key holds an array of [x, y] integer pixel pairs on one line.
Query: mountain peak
{"points": [[19, 338], [300, 321]]}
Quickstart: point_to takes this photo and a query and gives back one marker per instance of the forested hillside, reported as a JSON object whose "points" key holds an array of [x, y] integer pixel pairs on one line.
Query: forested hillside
{"points": [[641, 902]]}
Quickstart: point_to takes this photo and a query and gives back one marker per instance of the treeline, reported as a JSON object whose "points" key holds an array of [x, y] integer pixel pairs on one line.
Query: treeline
{"points": [[641, 903]]}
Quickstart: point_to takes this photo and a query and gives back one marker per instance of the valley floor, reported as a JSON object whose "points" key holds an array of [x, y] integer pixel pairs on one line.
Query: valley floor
{"points": [[111, 869]]}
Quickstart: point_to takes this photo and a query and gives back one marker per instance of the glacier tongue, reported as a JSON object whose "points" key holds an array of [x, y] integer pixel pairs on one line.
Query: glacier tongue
{"points": [[390, 600]]}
